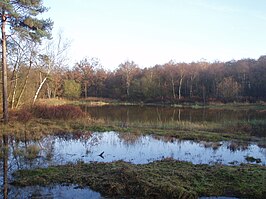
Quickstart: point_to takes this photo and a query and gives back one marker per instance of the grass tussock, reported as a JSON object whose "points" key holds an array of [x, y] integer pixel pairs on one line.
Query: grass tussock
{"points": [[29, 153], [162, 179]]}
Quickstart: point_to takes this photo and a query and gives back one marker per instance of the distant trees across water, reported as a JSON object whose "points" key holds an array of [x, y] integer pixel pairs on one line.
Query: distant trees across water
{"points": [[243, 81]]}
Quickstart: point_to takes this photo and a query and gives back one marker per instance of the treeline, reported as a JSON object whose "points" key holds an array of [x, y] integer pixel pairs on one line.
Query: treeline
{"points": [[243, 80], [36, 72]]}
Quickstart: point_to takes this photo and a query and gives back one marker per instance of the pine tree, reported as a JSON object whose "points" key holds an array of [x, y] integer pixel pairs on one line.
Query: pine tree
{"points": [[20, 16]]}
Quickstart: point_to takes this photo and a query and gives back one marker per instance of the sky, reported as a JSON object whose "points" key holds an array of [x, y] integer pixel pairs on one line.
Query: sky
{"points": [[151, 32]]}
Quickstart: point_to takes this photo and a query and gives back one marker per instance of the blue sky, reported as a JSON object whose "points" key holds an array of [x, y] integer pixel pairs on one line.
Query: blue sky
{"points": [[153, 32]]}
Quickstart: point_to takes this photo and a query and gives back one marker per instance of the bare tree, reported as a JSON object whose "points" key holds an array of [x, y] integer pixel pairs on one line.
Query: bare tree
{"points": [[21, 55], [54, 56], [128, 71]]}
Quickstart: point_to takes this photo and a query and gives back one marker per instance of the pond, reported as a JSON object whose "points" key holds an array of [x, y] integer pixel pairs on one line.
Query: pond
{"points": [[111, 146], [168, 114]]}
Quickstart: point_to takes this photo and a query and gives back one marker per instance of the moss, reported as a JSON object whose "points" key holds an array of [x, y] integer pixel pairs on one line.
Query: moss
{"points": [[162, 179]]}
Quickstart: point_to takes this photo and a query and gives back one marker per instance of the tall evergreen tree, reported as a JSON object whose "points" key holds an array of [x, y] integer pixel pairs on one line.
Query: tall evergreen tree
{"points": [[20, 16]]}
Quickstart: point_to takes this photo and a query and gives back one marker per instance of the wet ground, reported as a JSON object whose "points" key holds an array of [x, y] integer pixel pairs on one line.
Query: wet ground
{"points": [[112, 146]]}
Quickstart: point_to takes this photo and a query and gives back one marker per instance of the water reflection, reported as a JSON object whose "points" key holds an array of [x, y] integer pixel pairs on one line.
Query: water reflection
{"points": [[28, 154], [5, 165], [143, 114], [87, 146], [56, 191], [64, 148]]}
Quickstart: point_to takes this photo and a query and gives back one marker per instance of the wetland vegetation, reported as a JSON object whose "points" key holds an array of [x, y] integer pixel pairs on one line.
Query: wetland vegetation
{"points": [[160, 179], [149, 151]]}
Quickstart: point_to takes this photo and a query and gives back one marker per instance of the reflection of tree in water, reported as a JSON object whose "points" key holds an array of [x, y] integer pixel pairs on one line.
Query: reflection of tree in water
{"points": [[78, 135], [213, 145], [166, 138], [47, 148], [237, 146], [151, 114], [21, 153], [91, 141], [29, 153], [4, 165], [25, 153], [87, 138], [129, 138]]}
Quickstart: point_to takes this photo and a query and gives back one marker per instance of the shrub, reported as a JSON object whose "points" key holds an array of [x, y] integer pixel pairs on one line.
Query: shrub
{"points": [[57, 112], [23, 115], [72, 89]]}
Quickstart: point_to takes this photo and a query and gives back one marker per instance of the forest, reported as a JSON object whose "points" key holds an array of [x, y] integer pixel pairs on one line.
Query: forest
{"points": [[42, 71]]}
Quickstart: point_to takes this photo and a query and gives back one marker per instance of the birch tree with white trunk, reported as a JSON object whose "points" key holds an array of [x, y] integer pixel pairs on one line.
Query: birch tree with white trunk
{"points": [[54, 56]]}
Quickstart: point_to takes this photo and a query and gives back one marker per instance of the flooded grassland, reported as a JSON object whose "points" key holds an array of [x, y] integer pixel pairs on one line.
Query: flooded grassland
{"points": [[137, 151]]}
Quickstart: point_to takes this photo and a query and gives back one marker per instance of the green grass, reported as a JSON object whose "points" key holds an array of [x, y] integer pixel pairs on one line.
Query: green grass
{"points": [[161, 179]]}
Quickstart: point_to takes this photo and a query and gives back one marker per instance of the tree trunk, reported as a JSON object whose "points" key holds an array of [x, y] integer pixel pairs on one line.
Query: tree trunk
{"points": [[179, 89], [49, 91], [127, 87], [14, 91], [14, 80], [4, 69], [173, 87], [128, 91], [86, 90], [191, 86], [39, 89], [127, 84], [54, 94], [24, 86], [42, 83], [204, 94]]}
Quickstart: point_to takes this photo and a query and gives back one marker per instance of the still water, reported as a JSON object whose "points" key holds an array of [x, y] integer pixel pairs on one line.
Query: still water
{"points": [[137, 149], [55, 192], [169, 114], [144, 149]]}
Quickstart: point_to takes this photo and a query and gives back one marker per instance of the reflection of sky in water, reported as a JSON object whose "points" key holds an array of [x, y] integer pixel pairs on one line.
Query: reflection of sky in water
{"points": [[146, 149], [127, 147], [57, 191]]}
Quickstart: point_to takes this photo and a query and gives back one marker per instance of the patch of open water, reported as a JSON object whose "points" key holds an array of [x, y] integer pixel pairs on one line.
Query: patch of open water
{"points": [[55, 192], [137, 149], [145, 149]]}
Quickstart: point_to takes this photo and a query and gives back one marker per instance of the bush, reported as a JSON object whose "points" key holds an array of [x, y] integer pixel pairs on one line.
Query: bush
{"points": [[22, 115], [57, 112], [72, 89]]}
